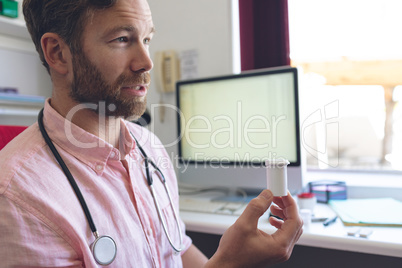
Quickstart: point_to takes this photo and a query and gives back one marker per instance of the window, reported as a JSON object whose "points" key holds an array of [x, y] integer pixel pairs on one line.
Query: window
{"points": [[350, 53]]}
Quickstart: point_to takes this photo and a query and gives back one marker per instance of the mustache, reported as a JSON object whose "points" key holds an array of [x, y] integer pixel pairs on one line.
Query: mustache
{"points": [[135, 78]]}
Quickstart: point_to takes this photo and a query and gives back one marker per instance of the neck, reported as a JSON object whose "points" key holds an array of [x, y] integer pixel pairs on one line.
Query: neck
{"points": [[105, 127]]}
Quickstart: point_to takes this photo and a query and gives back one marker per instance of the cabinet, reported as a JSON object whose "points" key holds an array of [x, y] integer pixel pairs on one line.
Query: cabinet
{"points": [[13, 27], [20, 68]]}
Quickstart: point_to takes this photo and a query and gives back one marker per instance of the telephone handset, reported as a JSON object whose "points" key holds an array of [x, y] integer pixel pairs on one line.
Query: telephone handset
{"points": [[166, 74], [166, 70]]}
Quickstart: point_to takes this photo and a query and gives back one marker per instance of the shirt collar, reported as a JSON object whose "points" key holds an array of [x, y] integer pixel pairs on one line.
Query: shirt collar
{"points": [[84, 146]]}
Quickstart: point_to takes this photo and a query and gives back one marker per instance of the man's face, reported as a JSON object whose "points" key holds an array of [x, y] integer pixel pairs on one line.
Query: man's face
{"points": [[113, 65], [90, 86]]}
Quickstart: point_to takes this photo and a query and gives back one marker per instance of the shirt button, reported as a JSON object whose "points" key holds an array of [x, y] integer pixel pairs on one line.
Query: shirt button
{"points": [[149, 232], [99, 167], [112, 154]]}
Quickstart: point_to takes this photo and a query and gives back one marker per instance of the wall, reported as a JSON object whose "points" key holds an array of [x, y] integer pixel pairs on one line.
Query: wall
{"points": [[185, 25], [20, 68], [23, 70]]}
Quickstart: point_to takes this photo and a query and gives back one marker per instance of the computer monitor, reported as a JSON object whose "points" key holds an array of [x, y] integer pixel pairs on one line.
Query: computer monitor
{"points": [[228, 126]]}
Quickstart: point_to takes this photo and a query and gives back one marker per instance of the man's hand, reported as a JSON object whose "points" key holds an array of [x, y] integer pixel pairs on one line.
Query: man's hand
{"points": [[244, 245]]}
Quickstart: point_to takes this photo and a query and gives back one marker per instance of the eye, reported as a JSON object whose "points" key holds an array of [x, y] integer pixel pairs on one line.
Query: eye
{"points": [[122, 39], [147, 41]]}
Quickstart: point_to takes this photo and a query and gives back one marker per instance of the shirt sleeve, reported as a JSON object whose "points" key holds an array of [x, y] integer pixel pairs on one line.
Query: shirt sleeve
{"points": [[26, 241]]}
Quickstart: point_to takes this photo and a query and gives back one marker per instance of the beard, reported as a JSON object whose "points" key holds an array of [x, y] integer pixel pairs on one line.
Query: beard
{"points": [[90, 87]]}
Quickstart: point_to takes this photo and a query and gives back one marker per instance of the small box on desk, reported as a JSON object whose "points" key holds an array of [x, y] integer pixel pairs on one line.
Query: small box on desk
{"points": [[328, 190], [9, 8]]}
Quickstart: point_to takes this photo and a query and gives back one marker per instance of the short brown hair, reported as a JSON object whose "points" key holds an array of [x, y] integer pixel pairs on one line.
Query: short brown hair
{"points": [[66, 18]]}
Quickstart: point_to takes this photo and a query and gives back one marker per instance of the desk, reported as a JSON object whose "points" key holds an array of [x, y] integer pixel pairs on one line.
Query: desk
{"points": [[383, 241]]}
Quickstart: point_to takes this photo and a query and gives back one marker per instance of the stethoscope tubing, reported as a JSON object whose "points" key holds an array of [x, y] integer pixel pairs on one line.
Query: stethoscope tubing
{"points": [[67, 173], [158, 209], [104, 247]]}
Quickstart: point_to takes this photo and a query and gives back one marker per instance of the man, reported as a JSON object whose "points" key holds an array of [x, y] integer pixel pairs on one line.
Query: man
{"points": [[96, 53]]}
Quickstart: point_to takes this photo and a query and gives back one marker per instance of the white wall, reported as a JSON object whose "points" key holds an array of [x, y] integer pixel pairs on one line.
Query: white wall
{"points": [[185, 25], [20, 68], [24, 71]]}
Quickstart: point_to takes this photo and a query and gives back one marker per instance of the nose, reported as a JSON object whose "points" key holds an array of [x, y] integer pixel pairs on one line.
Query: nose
{"points": [[141, 62]]}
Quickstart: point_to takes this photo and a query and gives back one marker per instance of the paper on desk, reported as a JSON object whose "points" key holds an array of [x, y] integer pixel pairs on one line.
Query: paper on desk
{"points": [[369, 212]]}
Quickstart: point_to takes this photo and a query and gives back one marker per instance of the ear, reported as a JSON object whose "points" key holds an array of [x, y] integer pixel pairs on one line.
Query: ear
{"points": [[56, 52]]}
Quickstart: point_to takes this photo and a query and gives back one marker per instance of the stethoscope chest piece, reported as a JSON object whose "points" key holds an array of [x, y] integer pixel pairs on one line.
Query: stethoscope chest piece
{"points": [[104, 250]]}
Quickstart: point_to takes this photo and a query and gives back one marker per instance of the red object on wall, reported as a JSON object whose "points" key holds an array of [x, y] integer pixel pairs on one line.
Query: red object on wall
{"points": [[7, 133]]}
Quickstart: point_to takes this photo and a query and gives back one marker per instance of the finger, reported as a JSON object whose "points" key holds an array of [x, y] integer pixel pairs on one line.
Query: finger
{"points": [[285, 200], [288, 205], [277, 211], [275, 222], [278, 200], [289, 231], [291, 228], [255, 209], [288, 200]]}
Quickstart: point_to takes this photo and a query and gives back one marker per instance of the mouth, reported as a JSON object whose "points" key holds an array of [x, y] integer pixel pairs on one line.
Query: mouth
{"points": [[135, 90]]}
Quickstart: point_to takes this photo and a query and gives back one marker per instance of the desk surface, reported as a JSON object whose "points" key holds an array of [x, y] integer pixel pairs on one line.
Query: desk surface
{"points": [[383, 241]]}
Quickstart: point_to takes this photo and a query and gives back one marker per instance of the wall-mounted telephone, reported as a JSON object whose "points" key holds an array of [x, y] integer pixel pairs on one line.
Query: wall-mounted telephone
{"points": [[166, 70]]}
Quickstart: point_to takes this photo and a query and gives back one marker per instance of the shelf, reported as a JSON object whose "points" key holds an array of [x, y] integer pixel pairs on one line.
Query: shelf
{"points": [[14, 28], [20, 108], [31, 112]]}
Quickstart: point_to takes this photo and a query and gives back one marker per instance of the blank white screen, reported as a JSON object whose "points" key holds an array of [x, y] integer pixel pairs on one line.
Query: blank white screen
{"points": [[240, 119]]}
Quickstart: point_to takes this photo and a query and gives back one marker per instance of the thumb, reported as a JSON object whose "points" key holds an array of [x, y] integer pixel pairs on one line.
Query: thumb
{"points": [[255, 209]]}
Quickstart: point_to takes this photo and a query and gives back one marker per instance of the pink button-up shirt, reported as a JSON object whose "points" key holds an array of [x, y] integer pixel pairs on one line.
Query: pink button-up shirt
{"points": [[42, 223]]}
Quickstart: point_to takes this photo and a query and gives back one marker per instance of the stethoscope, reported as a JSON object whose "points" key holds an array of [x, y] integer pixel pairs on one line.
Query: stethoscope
{"points": [[104, 248]]}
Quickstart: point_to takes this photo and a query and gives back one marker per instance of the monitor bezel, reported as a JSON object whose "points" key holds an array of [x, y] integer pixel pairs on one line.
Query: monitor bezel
{"points": [[260, 72]]}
